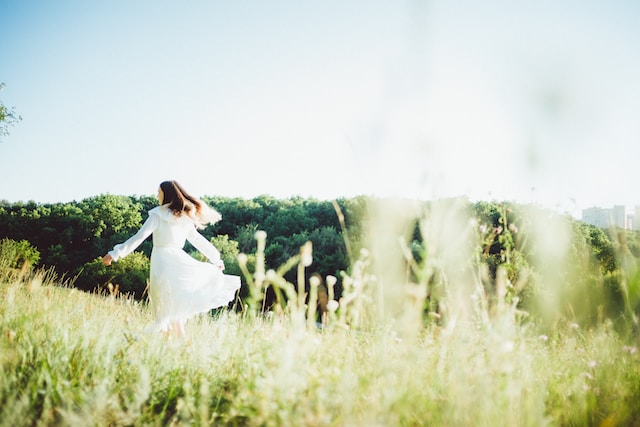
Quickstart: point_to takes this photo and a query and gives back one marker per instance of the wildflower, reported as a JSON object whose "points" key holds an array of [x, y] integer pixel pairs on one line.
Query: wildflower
{"points": [[416, 291], [261, 235], [508, 346], [271, 275], [259, 276], [574, 326], [592, 364], [306, 256], [543, 338], [333, 305], [242, 259], [331, 280]]}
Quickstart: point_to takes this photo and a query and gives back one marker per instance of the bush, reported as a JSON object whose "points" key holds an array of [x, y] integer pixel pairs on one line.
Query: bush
{"points": [[16, 256], [128, 276]]}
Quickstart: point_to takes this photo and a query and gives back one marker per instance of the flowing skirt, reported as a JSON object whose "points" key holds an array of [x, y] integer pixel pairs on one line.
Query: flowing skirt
{"points": [[181, 286]]}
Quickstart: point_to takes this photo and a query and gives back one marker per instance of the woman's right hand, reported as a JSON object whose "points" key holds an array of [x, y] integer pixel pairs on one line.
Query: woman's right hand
{"points": [[107, 259], [220, 264]]}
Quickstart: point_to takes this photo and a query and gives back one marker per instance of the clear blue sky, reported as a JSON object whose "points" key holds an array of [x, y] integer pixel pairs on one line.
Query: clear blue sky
{"points": [[534, 101]]}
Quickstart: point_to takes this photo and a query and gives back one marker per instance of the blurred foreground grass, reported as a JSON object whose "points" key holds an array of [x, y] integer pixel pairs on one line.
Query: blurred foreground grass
{"points": [[71, 358]]}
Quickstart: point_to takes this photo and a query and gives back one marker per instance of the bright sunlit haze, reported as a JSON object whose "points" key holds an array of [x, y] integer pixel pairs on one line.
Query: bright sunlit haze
{"points": [[529, 102]]}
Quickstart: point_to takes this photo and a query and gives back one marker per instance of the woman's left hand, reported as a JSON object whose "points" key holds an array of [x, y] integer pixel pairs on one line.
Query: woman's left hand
{"points": [[107, 259]]}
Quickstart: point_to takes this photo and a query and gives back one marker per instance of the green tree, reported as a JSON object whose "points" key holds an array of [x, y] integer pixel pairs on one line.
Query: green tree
{"points": [[8, 117], [17, 255], [113, 219], [246, 238], [236, 214], [329, 252], [228, 253], [50, 227], [127, 276], [291, 218]]}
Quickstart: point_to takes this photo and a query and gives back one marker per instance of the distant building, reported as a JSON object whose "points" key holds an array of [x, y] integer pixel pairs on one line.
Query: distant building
{"points": [[631, 223], [615, 217], [619, 216], [597, 216]]}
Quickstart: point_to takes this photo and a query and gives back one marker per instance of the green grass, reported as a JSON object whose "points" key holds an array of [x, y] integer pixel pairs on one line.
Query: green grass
{"points": [[70, 358]]}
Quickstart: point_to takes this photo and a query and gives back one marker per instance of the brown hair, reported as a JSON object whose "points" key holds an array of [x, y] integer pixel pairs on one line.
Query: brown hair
{"points": [[178, 200]]}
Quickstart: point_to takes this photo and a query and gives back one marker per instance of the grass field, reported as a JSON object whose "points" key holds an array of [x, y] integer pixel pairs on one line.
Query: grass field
{"points": [[72, 358]]}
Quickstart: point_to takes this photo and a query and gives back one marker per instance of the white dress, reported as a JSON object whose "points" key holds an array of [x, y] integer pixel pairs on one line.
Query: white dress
{"points": [[180, 286]]}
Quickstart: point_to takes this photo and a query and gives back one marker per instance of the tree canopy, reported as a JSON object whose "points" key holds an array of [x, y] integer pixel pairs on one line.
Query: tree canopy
{"points": [[8, 117], [71, 237]]}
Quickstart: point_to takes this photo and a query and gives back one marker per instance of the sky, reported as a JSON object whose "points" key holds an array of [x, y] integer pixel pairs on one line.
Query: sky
{"points": [[529, 101]]}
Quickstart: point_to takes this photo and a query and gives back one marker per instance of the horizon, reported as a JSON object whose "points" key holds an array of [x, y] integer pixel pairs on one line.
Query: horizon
{"points": [[576, 214]]}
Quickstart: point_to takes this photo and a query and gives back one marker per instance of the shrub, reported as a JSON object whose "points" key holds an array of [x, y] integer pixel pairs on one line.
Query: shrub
{"points": [[17, 256], [128, 276]]}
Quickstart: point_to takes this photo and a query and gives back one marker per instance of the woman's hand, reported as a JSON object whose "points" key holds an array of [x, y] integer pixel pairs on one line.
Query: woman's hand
{"points": [[107, 259]]}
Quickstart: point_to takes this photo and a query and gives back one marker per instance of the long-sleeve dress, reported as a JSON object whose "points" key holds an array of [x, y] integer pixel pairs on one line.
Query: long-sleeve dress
{"points": [[180, 286]]}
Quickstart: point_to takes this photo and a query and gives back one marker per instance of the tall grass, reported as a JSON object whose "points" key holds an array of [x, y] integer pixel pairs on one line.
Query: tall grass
{"points": [[71, 358]]}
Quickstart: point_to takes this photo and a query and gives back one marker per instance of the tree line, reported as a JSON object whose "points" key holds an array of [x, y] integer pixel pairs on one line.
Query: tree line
{"points": [[72, 237]]}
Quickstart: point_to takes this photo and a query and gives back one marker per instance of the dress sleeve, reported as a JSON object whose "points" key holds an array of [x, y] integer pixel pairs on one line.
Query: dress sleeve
{"points": [[124, 249], [204, 246]]}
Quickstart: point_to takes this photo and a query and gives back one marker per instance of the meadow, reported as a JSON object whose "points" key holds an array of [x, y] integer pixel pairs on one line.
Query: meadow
{"points": [[376, 357]]}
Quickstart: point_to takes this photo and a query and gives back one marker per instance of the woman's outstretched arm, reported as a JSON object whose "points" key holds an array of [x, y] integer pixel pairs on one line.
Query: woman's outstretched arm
{"points": [[205, 247], [124, 249]]}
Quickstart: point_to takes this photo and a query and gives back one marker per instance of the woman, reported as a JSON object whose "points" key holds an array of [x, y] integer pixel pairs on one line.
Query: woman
{"points": [[180, 286]]}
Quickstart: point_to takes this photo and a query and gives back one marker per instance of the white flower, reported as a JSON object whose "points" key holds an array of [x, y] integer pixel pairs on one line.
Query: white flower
{"points": [[306, 256], [332, 306], [314, 281], [508, 346], [271, 275]]}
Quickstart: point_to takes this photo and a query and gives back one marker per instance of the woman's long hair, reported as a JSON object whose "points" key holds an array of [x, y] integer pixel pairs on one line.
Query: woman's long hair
{"points": [[179, 201]]}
